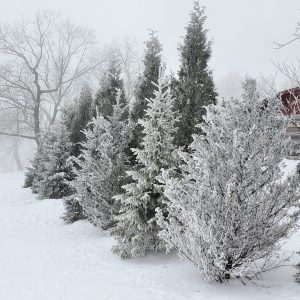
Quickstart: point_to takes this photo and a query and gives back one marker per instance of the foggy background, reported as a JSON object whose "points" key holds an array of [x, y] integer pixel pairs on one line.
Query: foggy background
{"points": [[243, 32]]}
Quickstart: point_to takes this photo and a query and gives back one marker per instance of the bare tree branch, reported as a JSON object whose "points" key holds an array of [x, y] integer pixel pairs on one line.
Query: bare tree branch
{"points": [[18, 135], [45, 58]]}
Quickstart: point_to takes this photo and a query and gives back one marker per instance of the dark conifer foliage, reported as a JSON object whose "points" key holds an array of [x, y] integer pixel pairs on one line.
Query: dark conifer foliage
{"points": [[73, 210], [29, 176], [78, 117], [194, 87], [145, 88], [111, 82]]}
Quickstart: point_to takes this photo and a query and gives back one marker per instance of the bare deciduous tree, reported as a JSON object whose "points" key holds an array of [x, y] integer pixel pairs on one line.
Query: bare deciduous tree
{"points": [[295, 37], [43, 60]]}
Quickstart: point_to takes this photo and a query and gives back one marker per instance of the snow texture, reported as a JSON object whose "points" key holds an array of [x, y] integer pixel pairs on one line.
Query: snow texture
{"points": [[43, 258]]}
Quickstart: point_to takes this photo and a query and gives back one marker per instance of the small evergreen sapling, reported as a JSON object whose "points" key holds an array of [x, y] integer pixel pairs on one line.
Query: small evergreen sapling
{"points": [[55, 167], [137, 229], [232, 206], [41, 158], [100, 168], [31, 175], [73, 210]]}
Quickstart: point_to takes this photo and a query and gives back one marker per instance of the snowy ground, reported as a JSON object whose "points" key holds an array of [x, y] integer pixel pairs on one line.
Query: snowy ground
{"points": [[42, 258]]}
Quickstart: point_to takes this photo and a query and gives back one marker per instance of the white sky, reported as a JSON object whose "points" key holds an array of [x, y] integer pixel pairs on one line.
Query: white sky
{"points": [[243, 30]]}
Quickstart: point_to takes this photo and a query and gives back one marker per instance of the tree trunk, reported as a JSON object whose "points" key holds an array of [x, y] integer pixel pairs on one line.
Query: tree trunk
{"points": [[16, 155], [36, 111]]}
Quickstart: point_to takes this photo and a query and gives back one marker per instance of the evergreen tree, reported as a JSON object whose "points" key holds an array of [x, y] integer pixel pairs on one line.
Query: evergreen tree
{"points": [[136, 230], [144, 90], [152, 63], [194, 88], [110, 82], [29, 176], [73, 210], [101, 166], [33, 173], [55, 169], [232, 206], [41, 158], [78, 116]]}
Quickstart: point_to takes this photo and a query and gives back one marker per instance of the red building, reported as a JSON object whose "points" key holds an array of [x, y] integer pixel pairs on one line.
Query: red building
{"points": [[291, 102]]}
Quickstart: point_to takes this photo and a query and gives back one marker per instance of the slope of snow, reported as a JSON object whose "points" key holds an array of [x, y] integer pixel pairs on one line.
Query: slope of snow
{"points": [[41, 258]]}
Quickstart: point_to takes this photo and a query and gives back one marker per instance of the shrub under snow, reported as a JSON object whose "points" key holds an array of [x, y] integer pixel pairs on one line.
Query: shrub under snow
{"points": [[232, 206]]}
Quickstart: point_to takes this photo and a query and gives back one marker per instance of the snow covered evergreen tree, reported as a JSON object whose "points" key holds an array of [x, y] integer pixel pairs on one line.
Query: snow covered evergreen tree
{"points": [[77, 116], [106, 96], [73, 210], [35, 171], [152, 63], [54, 167], [194, 87], [232, 206], [137, 229], [144, 90], [101, 166], [29, 176]]}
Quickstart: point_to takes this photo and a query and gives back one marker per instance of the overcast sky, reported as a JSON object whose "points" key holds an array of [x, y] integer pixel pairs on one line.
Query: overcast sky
{"points": [[243, 30]]}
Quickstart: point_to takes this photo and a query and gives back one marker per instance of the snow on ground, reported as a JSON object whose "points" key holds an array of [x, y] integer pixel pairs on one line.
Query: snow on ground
{"points": [[41, 258], [289, 166]]}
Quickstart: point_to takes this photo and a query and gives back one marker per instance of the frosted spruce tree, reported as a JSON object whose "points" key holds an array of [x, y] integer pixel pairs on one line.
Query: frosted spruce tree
{"points": [[77, 116], [55, 169], [41, 158], [100, 168], [232, 206], [35, 171], [194, 87], [144, 90], [137, 229]]}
